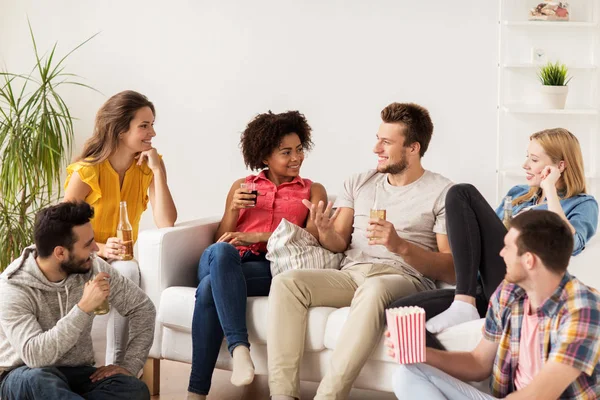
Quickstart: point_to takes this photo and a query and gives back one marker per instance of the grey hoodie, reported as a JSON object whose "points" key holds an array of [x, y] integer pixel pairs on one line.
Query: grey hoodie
{"points": [[41, 324]]}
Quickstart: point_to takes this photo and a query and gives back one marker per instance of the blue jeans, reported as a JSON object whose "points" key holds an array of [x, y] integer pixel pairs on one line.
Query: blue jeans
{"points": [[226, 280], [67, 383]]}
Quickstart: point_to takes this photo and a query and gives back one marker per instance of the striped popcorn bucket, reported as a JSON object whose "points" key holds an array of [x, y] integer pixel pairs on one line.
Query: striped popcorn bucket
{"points": [[407, 332]]}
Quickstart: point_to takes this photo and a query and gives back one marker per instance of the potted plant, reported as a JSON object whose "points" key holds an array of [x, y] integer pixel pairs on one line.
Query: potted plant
{"points": [[36, 132], [554, 85]]}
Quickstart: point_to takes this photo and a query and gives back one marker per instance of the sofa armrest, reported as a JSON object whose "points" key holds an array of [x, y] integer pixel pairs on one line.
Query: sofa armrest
{"points": [[169, 256]]}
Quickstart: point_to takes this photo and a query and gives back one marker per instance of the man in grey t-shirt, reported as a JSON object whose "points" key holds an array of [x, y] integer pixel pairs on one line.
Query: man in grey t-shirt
{"points": [[384, 258]]}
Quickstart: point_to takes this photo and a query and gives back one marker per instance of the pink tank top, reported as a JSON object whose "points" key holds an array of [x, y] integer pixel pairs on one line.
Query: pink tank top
{"points": [[272, 205], [530, 357]]}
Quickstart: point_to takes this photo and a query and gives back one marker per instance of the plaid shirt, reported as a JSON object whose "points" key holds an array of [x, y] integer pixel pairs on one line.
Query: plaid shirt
{"points": [[569, 326]]}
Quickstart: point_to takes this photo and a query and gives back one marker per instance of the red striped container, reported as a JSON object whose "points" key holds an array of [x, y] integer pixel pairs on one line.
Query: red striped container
{"points": [[407, 333]]}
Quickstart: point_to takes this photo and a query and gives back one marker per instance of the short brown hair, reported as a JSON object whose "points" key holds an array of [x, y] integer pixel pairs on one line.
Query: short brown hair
{"points": [[546, 235], [415, 118], [265, 133]]}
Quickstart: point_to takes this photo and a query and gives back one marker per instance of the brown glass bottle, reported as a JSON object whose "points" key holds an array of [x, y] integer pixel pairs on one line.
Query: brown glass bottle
{"points": [[125, 232]]}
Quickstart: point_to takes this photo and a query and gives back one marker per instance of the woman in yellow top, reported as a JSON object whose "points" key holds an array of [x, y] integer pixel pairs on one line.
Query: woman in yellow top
{"points": [[118, 163]]}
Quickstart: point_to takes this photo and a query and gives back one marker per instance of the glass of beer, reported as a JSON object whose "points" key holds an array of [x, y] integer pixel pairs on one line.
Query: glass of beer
{"points": [[250, 188], [377, 214], [103, 308]]}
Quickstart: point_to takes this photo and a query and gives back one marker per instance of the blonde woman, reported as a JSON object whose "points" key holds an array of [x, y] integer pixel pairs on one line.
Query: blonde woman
{"points": [[119, 163], [555, 182]]}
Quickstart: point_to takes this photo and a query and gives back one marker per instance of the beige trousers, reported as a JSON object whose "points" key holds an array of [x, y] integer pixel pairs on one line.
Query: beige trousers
{"points": [[367, 288]]}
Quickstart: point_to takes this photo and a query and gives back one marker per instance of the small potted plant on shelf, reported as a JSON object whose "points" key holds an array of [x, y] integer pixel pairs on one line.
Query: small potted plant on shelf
{"points": [[554, 84]]}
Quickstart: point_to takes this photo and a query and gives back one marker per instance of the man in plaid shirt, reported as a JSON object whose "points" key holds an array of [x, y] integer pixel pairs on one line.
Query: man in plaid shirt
{"points": [[541, 338]]}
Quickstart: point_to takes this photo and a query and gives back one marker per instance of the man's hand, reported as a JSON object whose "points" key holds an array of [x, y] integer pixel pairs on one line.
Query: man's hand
{"points": [[241, 238], [383, 232], [95, 292], [321, 216], [108, 370], [390, 345]]}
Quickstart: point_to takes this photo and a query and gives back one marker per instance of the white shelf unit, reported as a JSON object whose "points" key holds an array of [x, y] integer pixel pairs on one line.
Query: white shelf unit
{"points": [[552, 24], [575, 43], [536, 66]]}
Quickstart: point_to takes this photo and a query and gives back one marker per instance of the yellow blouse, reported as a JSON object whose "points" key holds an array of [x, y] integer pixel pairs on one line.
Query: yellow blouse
{"points": [[105, 195]]}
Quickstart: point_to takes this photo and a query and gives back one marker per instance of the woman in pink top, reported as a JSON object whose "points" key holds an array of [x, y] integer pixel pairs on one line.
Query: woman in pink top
{"points": [[235, 266]]}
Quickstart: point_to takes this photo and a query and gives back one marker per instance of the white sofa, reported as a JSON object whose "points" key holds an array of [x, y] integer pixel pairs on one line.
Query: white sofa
{"points": [[169, 259]]}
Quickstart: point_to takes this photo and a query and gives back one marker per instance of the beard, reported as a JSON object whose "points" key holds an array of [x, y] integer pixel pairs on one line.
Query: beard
{"points": [[396, 168], [515, 278], [76, 265]]}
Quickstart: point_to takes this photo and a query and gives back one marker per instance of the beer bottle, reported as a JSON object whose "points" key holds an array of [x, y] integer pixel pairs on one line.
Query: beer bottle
{"points": [[507, 211], [125, 232]]}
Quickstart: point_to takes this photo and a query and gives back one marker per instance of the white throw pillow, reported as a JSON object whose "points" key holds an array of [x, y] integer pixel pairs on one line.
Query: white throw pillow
{"points": [[291, 247]]}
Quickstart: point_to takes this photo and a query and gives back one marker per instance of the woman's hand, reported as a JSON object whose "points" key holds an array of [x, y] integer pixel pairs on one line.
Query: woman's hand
{"points": [[241, 238], [550, 175], [242, 199], [113, 249], [151, 156]]}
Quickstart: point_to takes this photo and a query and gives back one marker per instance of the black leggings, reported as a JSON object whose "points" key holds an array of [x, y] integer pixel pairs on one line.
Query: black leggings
{"points": [[476, 236]]}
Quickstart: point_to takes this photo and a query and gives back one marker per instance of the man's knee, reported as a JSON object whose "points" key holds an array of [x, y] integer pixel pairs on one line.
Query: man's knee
{"points": [[290, 284], [127, 387], [288, 280], [129, 269], [374, 291], [34, 377]]}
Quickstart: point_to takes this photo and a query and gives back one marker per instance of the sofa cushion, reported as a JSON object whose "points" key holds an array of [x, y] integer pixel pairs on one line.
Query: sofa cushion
{"points": [[463, 337], [177, 307]]}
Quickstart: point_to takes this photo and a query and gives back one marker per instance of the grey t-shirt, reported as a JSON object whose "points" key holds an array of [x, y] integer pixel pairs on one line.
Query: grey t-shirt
{"points": [[417, 211]]}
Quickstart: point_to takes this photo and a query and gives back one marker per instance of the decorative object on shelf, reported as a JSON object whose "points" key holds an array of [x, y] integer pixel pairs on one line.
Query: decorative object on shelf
{"points": [[549, 10], [554, 85], [36, 133], [538, 56]]}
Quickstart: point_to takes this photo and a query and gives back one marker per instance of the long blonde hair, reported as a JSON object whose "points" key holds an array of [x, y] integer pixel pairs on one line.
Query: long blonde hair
{"points": [[112, 119], [560, 145]]}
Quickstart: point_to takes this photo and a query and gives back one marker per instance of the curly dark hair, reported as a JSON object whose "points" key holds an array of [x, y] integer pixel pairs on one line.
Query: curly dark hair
{"points": [[265, 132]]}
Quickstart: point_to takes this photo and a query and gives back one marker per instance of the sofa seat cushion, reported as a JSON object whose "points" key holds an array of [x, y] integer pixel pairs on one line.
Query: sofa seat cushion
{"points": [[463, 337], [177, 308]]}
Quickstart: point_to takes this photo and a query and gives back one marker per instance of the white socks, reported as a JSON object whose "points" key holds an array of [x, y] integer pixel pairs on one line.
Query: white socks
{"points": [[243, 367], [195, 396], [457, 313]]}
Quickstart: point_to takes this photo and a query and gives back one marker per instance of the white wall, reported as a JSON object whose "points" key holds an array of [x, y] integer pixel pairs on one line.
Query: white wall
{"points": [[211, 66]]}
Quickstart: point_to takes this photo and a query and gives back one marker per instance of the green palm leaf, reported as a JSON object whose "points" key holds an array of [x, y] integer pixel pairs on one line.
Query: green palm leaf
{"points": [[36, 135]]}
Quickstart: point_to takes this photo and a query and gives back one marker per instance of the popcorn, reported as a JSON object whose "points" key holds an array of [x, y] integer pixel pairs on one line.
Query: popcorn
{"points": [[407, 332]]}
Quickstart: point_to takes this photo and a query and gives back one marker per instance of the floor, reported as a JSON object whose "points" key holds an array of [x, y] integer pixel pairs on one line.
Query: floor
{"points": [[174, 378]]}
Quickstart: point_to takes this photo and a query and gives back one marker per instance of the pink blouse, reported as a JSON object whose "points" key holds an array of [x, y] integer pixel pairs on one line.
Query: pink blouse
{"points": [[272, 205]]}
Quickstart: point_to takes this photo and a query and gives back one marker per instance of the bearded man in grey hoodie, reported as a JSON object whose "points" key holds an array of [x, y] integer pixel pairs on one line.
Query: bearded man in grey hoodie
{"points": [[47, 302]]}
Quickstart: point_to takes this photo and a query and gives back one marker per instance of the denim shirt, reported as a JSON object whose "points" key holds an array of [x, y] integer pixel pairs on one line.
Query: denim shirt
{"points": [[581, 211]]}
